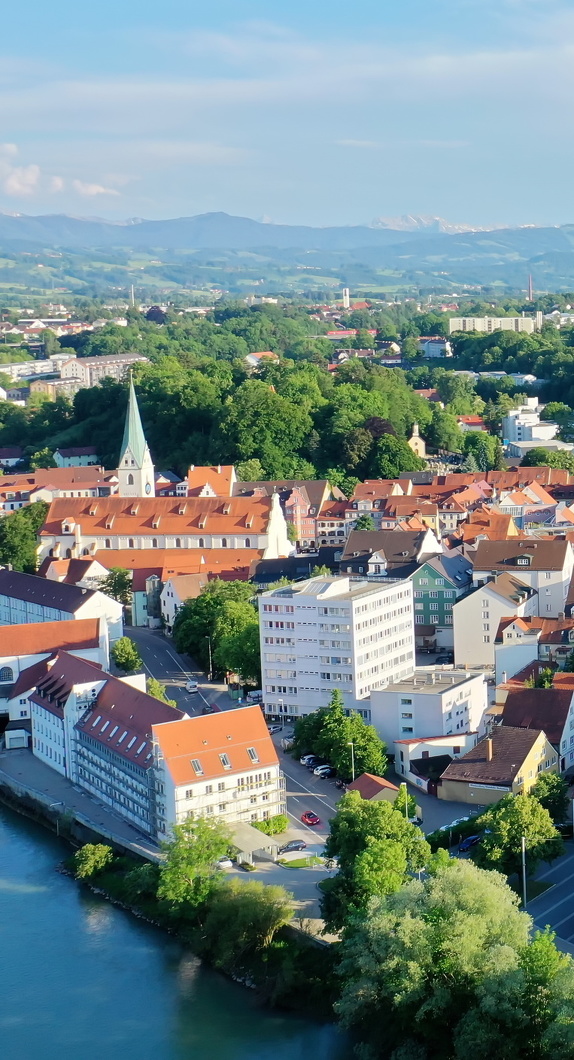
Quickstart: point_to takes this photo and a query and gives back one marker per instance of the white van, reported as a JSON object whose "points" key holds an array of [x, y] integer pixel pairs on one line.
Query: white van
{"points": [[191, 686]]}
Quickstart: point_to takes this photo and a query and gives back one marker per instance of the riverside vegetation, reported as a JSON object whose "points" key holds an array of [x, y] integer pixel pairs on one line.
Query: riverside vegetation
{"points": [[430, 968]]}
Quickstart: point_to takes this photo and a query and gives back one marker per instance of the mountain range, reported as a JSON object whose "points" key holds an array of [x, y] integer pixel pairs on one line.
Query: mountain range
{"points": [[420, 251]]}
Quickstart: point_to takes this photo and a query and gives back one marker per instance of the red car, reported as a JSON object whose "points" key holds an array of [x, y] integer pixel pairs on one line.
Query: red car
{"points": [[310, 818]]}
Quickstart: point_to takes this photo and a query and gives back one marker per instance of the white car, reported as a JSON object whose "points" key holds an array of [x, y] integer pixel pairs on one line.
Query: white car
{"points": [[224, 863], [191, 686], [272, 729]]}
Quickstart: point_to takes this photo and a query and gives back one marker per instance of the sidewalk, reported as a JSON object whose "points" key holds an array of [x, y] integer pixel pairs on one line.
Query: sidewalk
{"points": [[24, 773]]}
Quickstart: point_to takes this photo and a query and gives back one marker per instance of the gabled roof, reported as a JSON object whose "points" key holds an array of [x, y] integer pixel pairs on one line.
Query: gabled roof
{"points": [[185, 515], [219, 477], [368, 785], [549, 630], [508, 587], [78, 450], [539, 708], [510, 746], [42, 591], [33, 638], [206, 737], [547, 554], [397, 546]]}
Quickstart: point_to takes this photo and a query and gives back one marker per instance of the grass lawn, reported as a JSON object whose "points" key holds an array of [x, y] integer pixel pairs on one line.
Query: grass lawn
{"points": [[301, 863]]}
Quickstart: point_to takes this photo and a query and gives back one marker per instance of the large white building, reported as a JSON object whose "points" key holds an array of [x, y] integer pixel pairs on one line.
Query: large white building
{"points": [[221, 765], [429, 703], [489, 324], [26, 598], [545, 565], [524, 425], [334, 633]]}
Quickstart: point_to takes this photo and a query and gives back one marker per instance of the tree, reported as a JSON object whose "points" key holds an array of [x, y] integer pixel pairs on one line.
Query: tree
{"points": [[569, 664], [540, 457], [91, 859], [250, 470], [321, 571], [292, 532], [188, 872], [365, 522], [156, 689], [126, 655], [446, 969], [376, 850], [273, 825], [196, 621], [483, 447], [346, 740], [18, 536], [118, 585], [240, 653], [242, 918], [403, 798], [551, 790], [506, 823], [42, 458], [392, 456]]}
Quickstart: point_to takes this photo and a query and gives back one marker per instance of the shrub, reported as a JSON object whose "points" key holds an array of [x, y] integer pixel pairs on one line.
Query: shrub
{"points": [[273, 825], [92, 859]]}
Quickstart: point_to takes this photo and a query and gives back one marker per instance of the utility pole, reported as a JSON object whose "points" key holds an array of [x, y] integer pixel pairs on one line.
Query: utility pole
{"points": [[352, 746], [209, 650], [523, 844]]}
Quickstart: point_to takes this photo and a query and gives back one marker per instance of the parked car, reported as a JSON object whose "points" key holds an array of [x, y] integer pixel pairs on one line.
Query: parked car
{"points": [[255, 697], [272, 729], [224, 863], [191, 686], [324, 771], [307, 758], [447, 657], [470, 841], [294, 844], [314, 763], [310, 818]]}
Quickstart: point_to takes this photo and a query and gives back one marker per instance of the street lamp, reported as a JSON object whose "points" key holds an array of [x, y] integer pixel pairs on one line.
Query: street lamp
{"points": [[209, 650], [523, 845], [352, 746]]}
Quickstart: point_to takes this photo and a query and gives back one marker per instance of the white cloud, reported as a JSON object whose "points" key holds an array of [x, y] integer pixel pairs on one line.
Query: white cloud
{"points": [[21, 180], [57, 184], [90, 190], [8, 150]]}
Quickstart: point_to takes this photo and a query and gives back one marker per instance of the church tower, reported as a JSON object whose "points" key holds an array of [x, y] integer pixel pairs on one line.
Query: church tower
{"points": [[136, 471]]}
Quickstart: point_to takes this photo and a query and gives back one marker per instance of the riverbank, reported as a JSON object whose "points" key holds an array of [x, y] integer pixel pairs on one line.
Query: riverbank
{"points": [[83, 978], [291, 970]]}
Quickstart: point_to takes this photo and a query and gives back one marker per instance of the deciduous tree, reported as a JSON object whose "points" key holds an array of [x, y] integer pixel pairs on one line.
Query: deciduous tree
{"points": [[188, 872]]}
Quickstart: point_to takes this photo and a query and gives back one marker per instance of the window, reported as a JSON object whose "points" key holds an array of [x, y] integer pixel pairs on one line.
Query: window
{"points": [[407, 728], [456, 750], [222, 807], [221, 785], [209, 789], [196, 766], [418, 593], [178, 542], [406, 716], [225, 761], [6, 674], [189, 793], [201, 543], [486, 640], [247, 542], [485, 626], [433, 594], [130, 480], [253, 754], [108, 543], [154, 542], [224, 542], [130, 542]]}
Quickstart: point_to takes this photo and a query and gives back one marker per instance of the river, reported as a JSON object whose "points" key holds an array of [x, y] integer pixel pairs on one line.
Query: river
{"points": [[82, 980]]}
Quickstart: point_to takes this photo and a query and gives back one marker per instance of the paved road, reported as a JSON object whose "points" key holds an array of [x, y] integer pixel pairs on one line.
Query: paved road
{"points": [[556, 906], [162, 661]]}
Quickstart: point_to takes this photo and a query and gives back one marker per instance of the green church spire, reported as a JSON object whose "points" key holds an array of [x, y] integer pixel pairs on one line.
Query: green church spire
{"points": [[134, 437]]}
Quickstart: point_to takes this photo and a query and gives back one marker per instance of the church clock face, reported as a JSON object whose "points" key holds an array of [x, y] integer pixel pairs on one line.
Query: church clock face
{"points": [[147, 487]]}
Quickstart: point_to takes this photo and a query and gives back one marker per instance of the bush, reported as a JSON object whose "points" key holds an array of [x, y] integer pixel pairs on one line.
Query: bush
{"points": [[273, 825], [92, 859]]}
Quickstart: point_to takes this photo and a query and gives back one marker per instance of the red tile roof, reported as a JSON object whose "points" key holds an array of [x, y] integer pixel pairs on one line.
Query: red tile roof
{"points": [[206, 737], [34, 638], [368, 785], [185, 515]]}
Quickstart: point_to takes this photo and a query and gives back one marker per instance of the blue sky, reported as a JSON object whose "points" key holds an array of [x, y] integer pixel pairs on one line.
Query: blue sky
{"points": [[314, 113]]}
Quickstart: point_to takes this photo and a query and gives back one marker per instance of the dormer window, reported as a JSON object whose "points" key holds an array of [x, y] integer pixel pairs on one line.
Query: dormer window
{"points": [[523, 561]]}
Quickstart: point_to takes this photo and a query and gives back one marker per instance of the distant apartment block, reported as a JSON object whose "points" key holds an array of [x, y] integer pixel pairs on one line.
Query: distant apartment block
{"points": [[488, 324], [89, 371]]}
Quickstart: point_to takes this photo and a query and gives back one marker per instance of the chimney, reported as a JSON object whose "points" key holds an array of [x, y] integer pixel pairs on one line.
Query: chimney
{"points": [[504, 677], [488, 749]]}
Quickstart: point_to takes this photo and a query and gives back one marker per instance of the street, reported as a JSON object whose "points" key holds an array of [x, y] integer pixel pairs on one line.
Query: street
{"points": [[554, 906]]}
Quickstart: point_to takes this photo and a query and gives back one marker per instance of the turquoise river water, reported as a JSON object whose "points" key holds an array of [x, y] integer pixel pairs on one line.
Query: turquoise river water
{"points": [[82, 980]]}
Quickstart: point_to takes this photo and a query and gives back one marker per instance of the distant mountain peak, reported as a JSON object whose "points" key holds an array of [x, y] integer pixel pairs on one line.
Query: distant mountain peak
{"points": [[426, 223]]}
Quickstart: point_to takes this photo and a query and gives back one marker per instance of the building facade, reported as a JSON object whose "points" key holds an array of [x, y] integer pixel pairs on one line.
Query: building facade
{"points": [[429, 703], [333, 633]]}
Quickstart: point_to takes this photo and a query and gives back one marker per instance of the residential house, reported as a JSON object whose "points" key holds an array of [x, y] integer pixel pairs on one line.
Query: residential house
{"points": [[528, 506], [76, 456], [421, 761], [529, 708], [24, 648], [88, 573], [509, 761], [175, 592], [388, 553], [484, 523], [331, 523], [216, 481], [301, 502], [256, 360], [333, 633], [434, 346], [75, 527], [429, 702], [10, 456], [221, 766], [471, 423], [477, 616], [437, 584], [520, 641], [26, 598], [545, 565]]}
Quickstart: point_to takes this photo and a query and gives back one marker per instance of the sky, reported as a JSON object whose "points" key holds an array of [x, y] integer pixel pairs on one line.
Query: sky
{"points": [[320, 113]]}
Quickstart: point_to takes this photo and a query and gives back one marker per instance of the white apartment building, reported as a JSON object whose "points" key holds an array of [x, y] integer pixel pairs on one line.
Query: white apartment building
{"points": [[334, 633], [544, 565], [89, 371], [412, 755], [221, 765], [524, 425], [429, 703], [477, 615], [26, 598], [488, 324]]}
